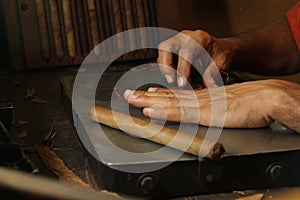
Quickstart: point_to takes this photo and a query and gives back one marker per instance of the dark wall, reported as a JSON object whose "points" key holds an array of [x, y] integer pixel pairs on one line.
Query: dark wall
{"points": [[220, 17], [194, 14], [3, 41]]}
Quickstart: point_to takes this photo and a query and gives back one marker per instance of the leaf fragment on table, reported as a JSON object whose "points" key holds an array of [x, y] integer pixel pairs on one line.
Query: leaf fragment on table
{"points": [[23, 135], [18, 123], [30, 93], [39, 100], [252, 197], [30, 149], [57, 166], [49, 136], [242, 193]]}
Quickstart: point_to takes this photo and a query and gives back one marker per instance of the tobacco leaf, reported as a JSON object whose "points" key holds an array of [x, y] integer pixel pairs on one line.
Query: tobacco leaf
{"points": [[57, 166], [18, 123], [30, 93], [252, 197], [242, 193], [39, 100], [23, 135], [30, 149], [49, 136]]}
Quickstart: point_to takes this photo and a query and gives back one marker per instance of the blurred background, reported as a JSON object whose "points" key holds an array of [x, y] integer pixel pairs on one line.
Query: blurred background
{"points": [[37, 33], [43, 41]]}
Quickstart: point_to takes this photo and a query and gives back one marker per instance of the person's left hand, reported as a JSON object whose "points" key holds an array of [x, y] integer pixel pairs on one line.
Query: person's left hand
{"points": [[248, 105]]}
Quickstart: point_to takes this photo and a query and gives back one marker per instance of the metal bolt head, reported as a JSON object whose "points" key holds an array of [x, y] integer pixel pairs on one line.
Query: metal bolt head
{"points": [[24, 7]]}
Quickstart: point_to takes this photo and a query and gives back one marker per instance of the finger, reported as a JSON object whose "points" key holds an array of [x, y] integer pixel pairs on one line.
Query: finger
{"points": [[186, 56], [183, 72], [182, 94], [136, 93], [210, 75], [192, 45], [183, 114], [132, 93], [166, 93], [165, 59], [148, 101], [158, 89], [189, 94]]}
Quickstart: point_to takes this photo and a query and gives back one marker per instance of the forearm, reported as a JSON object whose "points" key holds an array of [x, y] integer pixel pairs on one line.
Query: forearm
{"points": [[270, 50]]}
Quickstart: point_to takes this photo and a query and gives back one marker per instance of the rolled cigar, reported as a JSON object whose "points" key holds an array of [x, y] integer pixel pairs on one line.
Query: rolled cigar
{"points": [[156, 133]]}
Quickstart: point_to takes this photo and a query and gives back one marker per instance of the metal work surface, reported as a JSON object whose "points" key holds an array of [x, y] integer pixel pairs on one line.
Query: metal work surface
{"points": [[255, 158], [237, 142]]}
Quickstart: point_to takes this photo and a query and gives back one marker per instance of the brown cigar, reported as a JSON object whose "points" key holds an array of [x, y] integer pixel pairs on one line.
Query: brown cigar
{"points": [[156, 133]]}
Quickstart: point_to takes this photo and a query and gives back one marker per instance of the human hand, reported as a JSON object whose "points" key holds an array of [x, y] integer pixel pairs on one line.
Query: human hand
{"points": [[247, 105], [190, 47]]}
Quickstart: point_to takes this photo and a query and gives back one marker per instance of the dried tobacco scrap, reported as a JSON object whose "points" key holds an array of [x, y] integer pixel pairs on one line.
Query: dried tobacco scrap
{"points": [[23, 135], [57, 166], [30, 93], [18, 123], [39, 100]]}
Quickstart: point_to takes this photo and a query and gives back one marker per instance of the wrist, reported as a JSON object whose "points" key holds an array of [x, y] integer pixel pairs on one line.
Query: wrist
{"points": [[285, 108], [278, 105]]}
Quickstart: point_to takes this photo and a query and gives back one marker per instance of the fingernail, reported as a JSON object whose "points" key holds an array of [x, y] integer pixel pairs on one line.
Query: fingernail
{"points": [[169, 78], [148, 111], [132, 96], [152, 89], [127, 93], [180, 81]]}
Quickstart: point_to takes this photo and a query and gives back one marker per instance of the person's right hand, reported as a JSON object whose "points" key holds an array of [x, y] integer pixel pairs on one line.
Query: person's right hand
{"points": [[187, 45]]}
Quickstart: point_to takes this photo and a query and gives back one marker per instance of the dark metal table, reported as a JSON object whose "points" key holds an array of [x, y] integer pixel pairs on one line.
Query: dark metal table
{"points": [[254, 159]]}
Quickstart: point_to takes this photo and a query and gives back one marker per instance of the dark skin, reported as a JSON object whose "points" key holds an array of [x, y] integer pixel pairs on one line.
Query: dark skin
{"points": [[270, 50]]}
